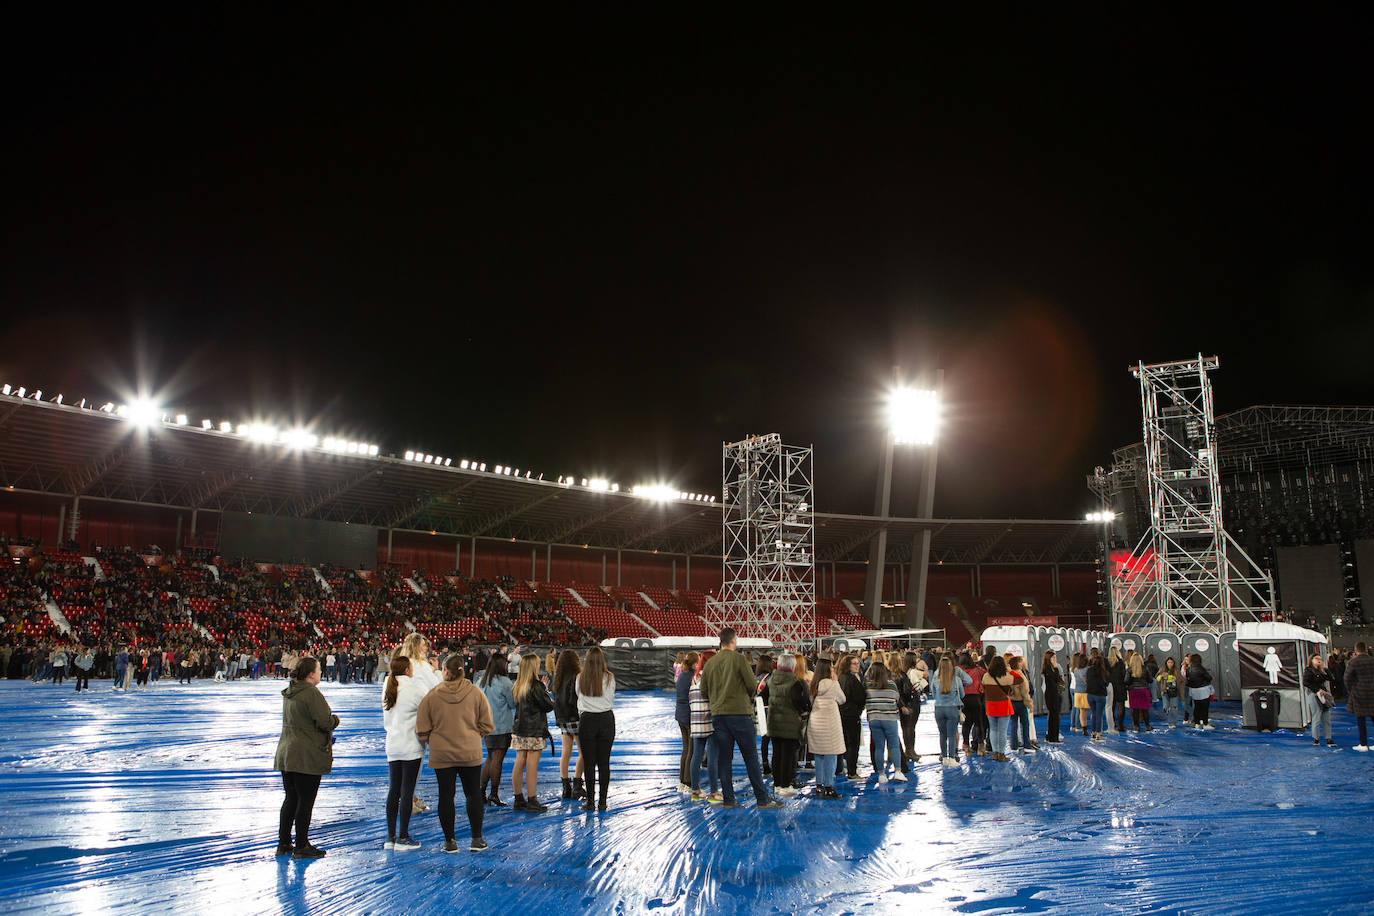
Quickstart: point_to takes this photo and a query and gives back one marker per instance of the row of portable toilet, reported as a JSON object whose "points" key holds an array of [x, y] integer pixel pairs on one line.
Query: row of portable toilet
{"points": [[1218, 654]]}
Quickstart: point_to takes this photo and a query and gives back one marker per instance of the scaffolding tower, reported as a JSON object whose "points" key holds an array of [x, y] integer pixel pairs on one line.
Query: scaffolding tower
{"points": [[1187, 574], [769, 588]]}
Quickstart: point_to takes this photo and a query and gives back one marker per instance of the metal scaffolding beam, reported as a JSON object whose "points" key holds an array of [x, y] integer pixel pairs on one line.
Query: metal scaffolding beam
{"points": [[1186, 574], [768, 501]]}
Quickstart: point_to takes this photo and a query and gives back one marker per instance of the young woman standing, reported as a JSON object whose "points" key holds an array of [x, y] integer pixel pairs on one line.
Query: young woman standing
{"points": [[566, 717], [703, 745], [682, 714], [825, 732], [998, 686], [1054, 684], [1170, 682], [1096, 679], [400, 703], [496, 687], [1020, 705], [1138, 693], [305, 752], [851, 711], [452, 720], [883, 711], [1200, 690], [975, 714], [947, 694], [1316, 681], [1116, 673], [596, 729], [532, 707]]}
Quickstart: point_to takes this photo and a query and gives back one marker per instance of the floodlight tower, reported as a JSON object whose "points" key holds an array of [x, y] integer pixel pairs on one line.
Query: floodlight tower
{"points": [[767, 504], [1187, 574]]}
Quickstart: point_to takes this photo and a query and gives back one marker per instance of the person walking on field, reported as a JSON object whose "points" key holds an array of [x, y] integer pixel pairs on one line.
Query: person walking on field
{"points": [[727, 683]]}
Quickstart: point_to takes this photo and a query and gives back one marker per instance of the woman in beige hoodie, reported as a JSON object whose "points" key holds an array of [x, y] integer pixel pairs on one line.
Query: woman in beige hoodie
{"points": [[452, 719]]}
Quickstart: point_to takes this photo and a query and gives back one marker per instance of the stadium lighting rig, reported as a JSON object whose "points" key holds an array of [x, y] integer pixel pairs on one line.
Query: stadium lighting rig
{"points": [[144, 413], [913, 415], [1100, 517]]}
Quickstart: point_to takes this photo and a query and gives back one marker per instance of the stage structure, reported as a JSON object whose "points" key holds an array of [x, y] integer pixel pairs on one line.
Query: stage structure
{"points": [[1186, 574], [767, 502]]}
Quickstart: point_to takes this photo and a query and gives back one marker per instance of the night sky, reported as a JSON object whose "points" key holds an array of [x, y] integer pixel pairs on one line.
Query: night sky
{"points": [[603, 247]]}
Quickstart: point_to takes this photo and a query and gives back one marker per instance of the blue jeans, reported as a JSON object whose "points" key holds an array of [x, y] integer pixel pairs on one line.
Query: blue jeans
{"points": [[730, 731], [704, 746], [1171, 705], [1020, 725], [887, 744], [947, 721], [1321, 718], [997, 725], [1098, 707], [825, 769]]}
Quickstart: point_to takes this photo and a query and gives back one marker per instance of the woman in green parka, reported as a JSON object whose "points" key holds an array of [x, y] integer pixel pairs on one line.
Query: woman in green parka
{"points": [[304, 754]]}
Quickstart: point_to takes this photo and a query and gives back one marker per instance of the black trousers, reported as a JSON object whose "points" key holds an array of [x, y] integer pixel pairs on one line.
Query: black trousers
{"points": [[684, 765], [1201, 709], [1053, 699], [83, 679], [785, 762], [595, 735], [1119, 708], [849, 725], [301, 789], [472, 793], [909, 732], [403, 776], [975, 722], [58, 674]]}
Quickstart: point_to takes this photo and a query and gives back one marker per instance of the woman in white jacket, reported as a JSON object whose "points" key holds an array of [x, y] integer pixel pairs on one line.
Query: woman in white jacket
{"points": [[425, 672], [400, 702]]}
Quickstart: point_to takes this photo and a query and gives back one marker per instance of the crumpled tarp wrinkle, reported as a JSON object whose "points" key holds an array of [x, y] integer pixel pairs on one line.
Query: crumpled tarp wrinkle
{"points": [[165, 801]]}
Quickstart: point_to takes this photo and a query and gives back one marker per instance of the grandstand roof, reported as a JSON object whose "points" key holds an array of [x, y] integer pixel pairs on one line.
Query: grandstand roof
{"points": [[70, 451]]}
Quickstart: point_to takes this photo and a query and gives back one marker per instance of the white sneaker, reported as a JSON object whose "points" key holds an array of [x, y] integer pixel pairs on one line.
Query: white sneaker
{"points": [[898, 777], [949, 761], [785, 790], [1210, 727], [684, 788], [1361, 747], [882, 779]]}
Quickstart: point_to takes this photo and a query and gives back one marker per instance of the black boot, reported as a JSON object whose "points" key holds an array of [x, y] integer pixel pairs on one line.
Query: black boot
{"points": [[579, 790], [567, 788], [589, 804], [519, 802]]}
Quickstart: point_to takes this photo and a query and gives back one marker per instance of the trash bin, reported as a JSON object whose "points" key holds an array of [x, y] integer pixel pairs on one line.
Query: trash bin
{"points": [[1266, 705]]}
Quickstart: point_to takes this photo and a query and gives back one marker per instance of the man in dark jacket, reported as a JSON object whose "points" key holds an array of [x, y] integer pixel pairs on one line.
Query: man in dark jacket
{"points": [[727, 682], [1359, 688]]}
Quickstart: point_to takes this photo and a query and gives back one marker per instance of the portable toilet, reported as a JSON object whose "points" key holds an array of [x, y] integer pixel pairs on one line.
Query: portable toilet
{"points": [[1229, 686], [1273, 656], [1205, 646], [1164, 645]]}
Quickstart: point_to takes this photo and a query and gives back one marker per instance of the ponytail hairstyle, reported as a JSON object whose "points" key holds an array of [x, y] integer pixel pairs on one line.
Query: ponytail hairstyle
{"points": [[592, 681], [399, 665], [304, 668], [453, 668]]}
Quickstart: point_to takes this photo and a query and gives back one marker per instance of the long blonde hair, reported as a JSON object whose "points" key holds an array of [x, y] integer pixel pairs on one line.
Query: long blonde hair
{"points": [[416, 647], [800, 670], [1137, 666], [1113, 655], [946, 671], [525, 678]]}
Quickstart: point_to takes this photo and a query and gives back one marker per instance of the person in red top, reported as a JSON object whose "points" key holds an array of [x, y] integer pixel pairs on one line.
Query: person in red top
{"points": [[975, 716], [999, 686]]}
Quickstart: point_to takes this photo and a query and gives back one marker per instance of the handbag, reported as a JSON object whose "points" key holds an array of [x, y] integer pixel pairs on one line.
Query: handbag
{"points": [[1325, 700]]}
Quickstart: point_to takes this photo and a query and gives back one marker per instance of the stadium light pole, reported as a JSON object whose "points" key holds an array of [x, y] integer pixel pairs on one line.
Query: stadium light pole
{"points": [[913, 420]]}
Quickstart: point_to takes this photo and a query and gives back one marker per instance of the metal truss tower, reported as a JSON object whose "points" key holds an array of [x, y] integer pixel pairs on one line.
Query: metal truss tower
{"points": [[1186, 574], [769, 588]]}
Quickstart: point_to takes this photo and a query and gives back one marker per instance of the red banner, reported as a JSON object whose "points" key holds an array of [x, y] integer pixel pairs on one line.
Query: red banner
{"points": [[1023, 621]]}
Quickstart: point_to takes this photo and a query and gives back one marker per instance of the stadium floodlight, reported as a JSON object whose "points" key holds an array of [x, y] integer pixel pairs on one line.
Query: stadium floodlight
{"points": [[463, 464], [372, 451], [262, 432], [20, 392], [410, 456], [38, 395], [299, 439], [5, 389], [58, 399], [599, 484], [181, 418], [143, 412], [226, 427], [448, 461], [483, 466], [429, 459], [913, 415], [206, 424], [1100, 517]]}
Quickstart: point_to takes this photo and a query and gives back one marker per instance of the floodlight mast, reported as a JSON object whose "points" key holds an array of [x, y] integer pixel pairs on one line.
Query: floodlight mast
{"points": [[1187, 574], [769, 559]]}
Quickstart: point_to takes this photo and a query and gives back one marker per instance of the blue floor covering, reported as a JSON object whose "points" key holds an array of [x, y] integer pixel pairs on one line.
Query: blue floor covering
{"points": [[164, 801]]}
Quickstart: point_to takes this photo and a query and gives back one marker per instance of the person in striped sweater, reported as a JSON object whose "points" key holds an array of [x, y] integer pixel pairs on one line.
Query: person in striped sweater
{"points": [[883, 716]]}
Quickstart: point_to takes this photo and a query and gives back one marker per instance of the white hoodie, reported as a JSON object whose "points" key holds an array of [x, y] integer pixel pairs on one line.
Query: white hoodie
{"points": [[399, 720]]}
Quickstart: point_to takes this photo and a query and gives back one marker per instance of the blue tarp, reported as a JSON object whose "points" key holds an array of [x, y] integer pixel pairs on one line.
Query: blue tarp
{"points": [[164, 800]]}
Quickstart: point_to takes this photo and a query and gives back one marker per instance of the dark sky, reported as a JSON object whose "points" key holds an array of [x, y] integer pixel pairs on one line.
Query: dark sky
{"points": [[602, 247]]}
